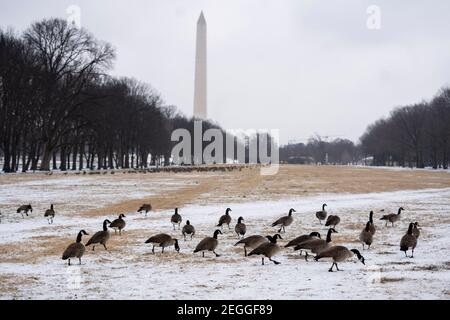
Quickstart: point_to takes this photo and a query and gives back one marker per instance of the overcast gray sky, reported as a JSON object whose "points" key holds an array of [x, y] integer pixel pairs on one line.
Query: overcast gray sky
{"points": [[303, 67]]}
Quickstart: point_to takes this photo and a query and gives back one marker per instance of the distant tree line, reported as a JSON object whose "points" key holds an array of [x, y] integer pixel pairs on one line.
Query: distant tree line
{"points": [[316, 150], [59, 109], [415, 135]]}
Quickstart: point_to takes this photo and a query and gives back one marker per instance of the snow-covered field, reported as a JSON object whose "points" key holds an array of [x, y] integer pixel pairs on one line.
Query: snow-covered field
{"points": [[129, 270]]}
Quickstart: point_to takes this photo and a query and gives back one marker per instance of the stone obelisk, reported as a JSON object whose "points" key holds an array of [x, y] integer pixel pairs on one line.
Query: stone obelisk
{"points": [[200, 102]]}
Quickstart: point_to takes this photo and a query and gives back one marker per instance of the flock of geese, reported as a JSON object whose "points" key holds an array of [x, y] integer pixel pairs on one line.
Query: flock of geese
{"points": [[265, 246]]}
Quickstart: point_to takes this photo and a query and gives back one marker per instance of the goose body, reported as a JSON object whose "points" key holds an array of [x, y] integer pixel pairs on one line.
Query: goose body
{"points": [[119, 223], [100, 237], [332, 221], [208, 244], [188, 229], [339, 254], [76, 249], [408, 241], [322, 215], [146, 207], [24, 209], [163, 240], [176, 219], [316, 245], [240, 228], [284, 221], [225, 219], [252, 242], [366, 237], [50, 214], [268, 249], [302, 238], [393, 217]]}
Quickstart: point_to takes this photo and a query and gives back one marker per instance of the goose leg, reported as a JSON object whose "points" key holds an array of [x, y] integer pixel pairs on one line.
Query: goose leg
{"points": [[93, 248], [337, 267], [69, 262], [412, 253], [80, 260], [245, 251], [331, 269], [306, 256], [406, 254], [279, 231], [262, 261], [105, 246], [153, 250], [203, 254], [184, 235], [162, 250], [217, 255], [363, 246], [276, 262]]}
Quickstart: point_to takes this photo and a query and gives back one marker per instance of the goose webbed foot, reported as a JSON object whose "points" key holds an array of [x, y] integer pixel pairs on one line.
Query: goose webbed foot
{"points": [[275, 262]]}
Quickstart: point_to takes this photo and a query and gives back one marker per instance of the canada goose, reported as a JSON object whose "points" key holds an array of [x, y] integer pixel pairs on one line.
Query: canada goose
{"points": [[332, 221], [408, 241], [163, 240], [119, 223], [316, 245], [50, 214], [252, 242], [225, 219], [372, 228], [366, 237], [284, 221], [208, 244], [416, 230], [188, 229], [339, 254], [392, 217], [176, 219], [145, 207], [240, 228], [101, 237], [24, 209], [301, 239], [76, 249], [268, 249], [321, 215]]}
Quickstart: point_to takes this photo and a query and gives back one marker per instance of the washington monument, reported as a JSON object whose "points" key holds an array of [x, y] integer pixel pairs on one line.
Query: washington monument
{"points": [[200, 101]]}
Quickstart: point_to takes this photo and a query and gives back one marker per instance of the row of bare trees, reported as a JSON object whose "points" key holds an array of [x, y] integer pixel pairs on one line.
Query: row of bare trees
{"points": [[59, 109], [415, 135], [316, 150]]}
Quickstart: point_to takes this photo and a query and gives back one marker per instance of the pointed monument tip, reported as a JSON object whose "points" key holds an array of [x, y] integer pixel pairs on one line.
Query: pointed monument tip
{"points": [[202, 17]]}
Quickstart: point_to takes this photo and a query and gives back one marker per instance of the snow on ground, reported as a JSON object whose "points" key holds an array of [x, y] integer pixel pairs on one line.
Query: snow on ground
{"points": [[129, 270]]}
